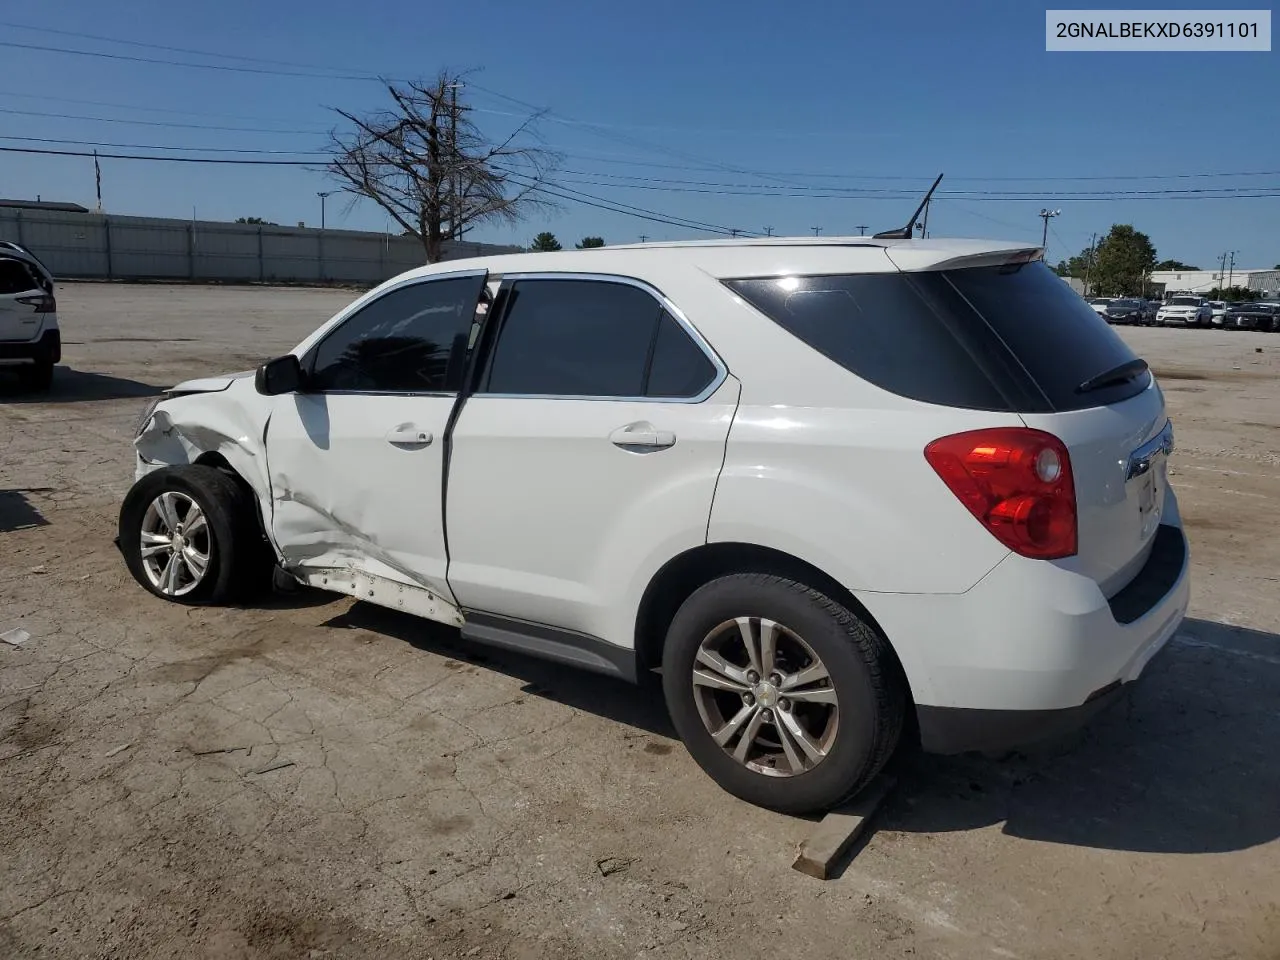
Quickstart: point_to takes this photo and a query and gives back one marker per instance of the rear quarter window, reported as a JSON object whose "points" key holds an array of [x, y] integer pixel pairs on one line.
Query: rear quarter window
{"points": [[879, 327], [1011, 337]]}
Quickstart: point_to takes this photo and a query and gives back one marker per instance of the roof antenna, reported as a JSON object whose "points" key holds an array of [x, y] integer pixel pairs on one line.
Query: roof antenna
{"points": [[905, 233]]}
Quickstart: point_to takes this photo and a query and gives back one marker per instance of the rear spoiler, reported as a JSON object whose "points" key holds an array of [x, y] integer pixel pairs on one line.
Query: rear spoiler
{"points": [[910, 259]]}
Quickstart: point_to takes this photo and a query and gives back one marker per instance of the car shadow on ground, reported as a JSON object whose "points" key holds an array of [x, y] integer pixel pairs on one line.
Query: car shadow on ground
{"points": [[17, 511], [1185, 764], [641, 707], [72, 386]]}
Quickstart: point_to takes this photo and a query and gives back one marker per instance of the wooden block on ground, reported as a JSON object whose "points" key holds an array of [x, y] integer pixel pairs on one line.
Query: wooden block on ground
{"points": [[837, 831]]}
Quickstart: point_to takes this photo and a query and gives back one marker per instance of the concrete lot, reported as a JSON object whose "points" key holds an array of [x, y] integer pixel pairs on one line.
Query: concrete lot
{"points": [[318, 778]]}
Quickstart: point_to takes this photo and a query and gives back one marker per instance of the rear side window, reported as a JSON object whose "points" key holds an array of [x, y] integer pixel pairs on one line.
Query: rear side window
{"points": [[881, 328], [593, 338], [1054, 334], [16, 277], [1011, 337], [679, 367]]}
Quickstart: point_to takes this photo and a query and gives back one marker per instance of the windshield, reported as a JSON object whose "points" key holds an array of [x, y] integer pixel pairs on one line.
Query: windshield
{"points": [[1185, 302], [1100, 301], [1124, 303]]}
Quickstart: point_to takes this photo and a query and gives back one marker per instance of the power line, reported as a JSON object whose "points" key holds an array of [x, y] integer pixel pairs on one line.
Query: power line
{"points": [[156, 146], [159, 46], [140, 107], [883, 193], [152, 123], [1175, 195], [180, 63], [132, 156]]}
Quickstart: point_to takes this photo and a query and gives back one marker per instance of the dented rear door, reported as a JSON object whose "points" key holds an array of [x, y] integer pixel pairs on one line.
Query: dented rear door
{"points": [[356, 460]]}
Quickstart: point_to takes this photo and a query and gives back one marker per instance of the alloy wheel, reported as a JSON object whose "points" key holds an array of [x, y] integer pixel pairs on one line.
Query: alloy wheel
{"points": [[175, 544], [765, 696]]}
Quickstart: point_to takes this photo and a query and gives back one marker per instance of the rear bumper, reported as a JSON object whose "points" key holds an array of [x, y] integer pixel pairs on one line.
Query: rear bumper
{"points": [[46, 349], [1034, 649], [961, 729]]}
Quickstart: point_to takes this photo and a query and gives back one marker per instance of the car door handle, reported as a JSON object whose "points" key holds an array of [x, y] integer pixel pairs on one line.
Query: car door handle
{"points": [[642, 436], [407, 434]]}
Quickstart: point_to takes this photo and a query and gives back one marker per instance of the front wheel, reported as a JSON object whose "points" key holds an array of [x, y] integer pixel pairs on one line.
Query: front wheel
{"points": [[784, 697], [189, 534]]}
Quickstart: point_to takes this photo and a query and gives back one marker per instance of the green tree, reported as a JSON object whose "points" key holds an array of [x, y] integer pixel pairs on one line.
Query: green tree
{"points": [[545, 242], [1173, 265], [590, 243], [256, 220], [1122, 262], [1234, 294]]}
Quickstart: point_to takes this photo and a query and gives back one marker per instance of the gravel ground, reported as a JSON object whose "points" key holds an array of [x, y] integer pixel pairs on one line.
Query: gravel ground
{"points": [[317, 778]]}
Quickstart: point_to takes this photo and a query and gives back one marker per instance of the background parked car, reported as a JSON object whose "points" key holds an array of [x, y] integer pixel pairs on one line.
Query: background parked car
{"points": [[1149, 310], [1099, 305], [1253, 316], [29, 337], [1123, 310], [1217, 312], [1185, 311]]}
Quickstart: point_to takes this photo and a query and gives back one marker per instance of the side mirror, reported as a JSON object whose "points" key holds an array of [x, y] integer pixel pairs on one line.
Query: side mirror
{"points": [[281, 375]]}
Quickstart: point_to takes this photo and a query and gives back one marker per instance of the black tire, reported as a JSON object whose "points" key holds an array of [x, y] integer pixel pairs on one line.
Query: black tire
{"points": [[38, 376], [236, 547], [870, 690]]}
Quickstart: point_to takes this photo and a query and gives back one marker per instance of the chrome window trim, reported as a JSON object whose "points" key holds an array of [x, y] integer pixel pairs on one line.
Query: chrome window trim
{"points": [[356, 308], [721, 371]]}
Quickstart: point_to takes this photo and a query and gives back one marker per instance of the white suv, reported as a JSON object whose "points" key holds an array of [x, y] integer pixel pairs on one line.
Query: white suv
{"points": [[30, 341], [834, 490], [1184, 311]]}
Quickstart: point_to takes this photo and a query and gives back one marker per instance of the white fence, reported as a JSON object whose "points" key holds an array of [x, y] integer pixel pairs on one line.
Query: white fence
{"points": [[99, 246]]}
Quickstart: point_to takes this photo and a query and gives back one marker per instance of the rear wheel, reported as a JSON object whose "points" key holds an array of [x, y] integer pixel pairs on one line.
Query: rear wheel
{"points": [[190, 534], [786, 698]]}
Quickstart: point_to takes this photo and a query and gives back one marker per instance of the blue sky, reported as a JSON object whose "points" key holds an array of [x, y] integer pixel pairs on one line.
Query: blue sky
{"points": [[720, 99]]}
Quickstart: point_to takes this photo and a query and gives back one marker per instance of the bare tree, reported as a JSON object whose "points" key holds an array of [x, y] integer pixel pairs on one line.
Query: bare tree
{"points": [[425, 163]]}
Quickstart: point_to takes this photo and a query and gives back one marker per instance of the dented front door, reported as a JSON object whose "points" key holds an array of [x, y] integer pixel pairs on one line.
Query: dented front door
{"points": [[357, 459], [356, 485]]}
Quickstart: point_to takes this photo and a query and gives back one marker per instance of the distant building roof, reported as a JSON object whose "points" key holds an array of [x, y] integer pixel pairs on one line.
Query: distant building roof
{"points": [[44, 205]]}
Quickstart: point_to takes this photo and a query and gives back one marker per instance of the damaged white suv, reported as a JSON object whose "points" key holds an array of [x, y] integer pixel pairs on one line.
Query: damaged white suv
{"points": [[839, 492]]}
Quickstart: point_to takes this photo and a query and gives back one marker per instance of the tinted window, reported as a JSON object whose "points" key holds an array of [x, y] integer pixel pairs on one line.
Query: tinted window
{"points": [[679, 367], [1058, 340], [574, 338], [881, 327], [15, 277], [400, 342]]}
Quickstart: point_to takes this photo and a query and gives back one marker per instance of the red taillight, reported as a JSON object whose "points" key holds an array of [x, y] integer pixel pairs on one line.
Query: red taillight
{"points": [[1017, 482], [44, 303]]}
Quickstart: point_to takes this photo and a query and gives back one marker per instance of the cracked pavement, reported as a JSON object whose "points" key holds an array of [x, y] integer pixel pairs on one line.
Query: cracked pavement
{"points": [[314, 777]]}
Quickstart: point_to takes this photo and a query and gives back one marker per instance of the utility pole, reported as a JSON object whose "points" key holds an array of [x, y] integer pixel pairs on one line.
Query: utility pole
{"points": [[768, 231], [816, 230], [644, 237], [1044, 235], [97, 178], [323, 195], [862, 229], [733, 232], [1232, 269], [455, 214], [1088, 264]]}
